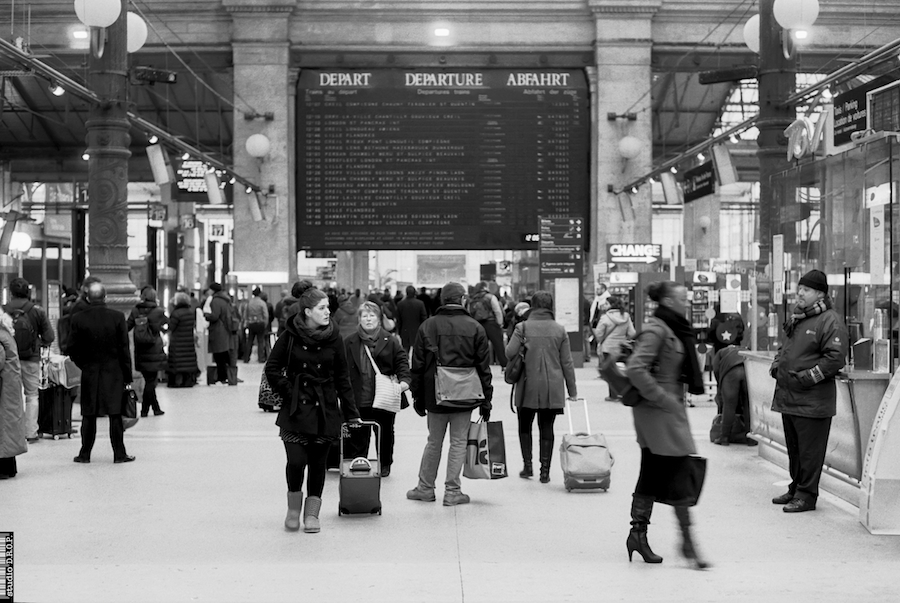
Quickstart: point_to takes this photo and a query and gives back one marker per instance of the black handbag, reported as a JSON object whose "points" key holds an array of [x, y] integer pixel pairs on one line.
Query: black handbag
{"points": [[686, 483], [129, 403], [516, 365]]}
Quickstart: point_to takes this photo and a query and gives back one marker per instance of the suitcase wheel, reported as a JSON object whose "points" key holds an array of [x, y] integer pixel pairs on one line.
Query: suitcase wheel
{"points": [[55, 437], [341, 511], [376, 510]]}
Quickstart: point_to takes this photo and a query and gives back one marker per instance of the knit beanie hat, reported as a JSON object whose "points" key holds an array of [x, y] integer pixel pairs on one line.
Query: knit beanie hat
{"points": [[452, 293], [215, 287], [815, 279]]}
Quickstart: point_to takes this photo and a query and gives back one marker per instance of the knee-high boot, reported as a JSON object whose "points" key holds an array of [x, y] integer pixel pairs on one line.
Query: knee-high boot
{"points": [[687, 542], [641, 508], [546, 456], [525, 444]]}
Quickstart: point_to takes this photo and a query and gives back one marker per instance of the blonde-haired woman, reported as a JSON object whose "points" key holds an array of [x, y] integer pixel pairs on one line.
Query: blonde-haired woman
{"points": [[12, 409]]}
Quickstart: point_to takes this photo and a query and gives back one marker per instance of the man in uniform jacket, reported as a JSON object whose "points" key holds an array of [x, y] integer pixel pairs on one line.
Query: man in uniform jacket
{"points": [[411, 313], [450, 338], [98, 345], [804, 369]]}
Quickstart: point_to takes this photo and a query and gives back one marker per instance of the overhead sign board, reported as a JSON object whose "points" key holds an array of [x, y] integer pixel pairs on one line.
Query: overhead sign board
{"points": [[699, 182], [627, 253]]}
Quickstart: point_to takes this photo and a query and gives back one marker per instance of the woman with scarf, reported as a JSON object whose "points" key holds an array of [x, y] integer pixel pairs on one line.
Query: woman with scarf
{"points": [[371, 340], [663, 361], [308, 368], [12, 405]]}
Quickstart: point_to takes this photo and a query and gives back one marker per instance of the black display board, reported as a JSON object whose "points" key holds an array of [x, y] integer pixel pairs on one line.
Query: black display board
{"points": [[439, 159]]}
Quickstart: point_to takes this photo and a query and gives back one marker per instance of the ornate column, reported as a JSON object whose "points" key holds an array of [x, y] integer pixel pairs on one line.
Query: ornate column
{"points": [[261, 46], [622, 54], [108, 142]]}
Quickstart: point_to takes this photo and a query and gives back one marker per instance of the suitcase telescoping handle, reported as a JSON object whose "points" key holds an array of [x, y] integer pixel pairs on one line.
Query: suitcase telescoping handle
{"points": [[377, 428], [587, 419]]}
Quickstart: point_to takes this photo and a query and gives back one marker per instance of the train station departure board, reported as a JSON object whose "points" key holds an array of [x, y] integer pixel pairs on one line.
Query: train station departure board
{"points": [[439, 159]]}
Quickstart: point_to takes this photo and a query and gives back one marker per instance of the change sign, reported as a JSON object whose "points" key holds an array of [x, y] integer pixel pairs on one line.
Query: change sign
{"points": [[641, 253]]}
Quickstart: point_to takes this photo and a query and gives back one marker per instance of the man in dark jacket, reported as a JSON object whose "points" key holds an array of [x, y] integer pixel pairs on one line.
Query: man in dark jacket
{"points": [[221, 327], [98, 345], [450, 338], [411, 313], [813, 352], [485, 308], [149, 355], [29, 341]]}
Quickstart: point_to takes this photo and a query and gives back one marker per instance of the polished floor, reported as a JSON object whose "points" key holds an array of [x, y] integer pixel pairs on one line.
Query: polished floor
{"points": [[198, 517]]}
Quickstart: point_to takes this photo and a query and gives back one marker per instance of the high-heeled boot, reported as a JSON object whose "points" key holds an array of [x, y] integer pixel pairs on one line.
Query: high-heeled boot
{"points": [[641, 508], [311, 514], [546, 454], [688, 549], [525, 445], [295, 504]]}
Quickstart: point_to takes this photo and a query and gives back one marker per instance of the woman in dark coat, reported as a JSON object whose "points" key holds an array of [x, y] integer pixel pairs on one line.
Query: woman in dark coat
{"points": [[539, 392], [12, 405], [149, 357], [308, 369], [218, 311], [391, 359], [183, 368], [664, 359]]}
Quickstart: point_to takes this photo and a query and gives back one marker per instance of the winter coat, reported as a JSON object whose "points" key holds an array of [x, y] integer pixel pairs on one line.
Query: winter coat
{"points": [[282, 312], [614, 329], [43, 330], [310, 376], [221, 321], [12, 407], [654, 368], [345, 319], [257, 311], [548, 362], [411, 313], [821, 341], [389, 355], [149, 357], [98, 345], [182, 350], [454, 338]]}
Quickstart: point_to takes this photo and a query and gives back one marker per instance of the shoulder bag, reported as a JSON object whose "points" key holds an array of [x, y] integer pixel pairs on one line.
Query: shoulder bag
{"points": [[516, 365], [387, 389], [268, 399], [129, 403]]}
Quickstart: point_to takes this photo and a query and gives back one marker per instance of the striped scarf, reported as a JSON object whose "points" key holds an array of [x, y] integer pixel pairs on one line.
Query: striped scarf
{"points": [[799, 314]]}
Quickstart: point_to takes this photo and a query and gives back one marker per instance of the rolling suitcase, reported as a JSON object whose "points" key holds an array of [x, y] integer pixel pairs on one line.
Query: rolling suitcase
{"points": [[359, 486], [55, 412], [585, 458]]}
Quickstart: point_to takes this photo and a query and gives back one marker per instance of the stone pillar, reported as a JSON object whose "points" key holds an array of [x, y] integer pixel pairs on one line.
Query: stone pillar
{"points": [[108, 142], [260, 42], [622, 54]]}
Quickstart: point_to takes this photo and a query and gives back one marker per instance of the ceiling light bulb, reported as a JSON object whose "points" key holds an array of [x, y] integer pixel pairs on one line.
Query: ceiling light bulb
{"points": [[249, 190], [701, 157], [185, 157], [233, 180], [801, 34], [442, 32], [56, 89], [673, 169], [634, 190], [154, 139], [733, 138], [86, 156], [80, 34]]}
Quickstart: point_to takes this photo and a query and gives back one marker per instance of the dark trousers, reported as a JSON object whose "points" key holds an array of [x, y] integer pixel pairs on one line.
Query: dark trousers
{"points": [[301, 457], [222, 360], [116, 436], [734, 399], [495, 336], [149, 399], [806, 440], [256, 332], [358, 442], [546, 417], [613, 393], [8, 466]]}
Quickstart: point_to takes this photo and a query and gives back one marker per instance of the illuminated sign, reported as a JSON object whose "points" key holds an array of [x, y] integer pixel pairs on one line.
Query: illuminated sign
{"points": [[646, 253]]}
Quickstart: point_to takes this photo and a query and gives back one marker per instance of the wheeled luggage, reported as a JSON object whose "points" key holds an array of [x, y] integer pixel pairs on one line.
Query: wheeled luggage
{"points": [[359, 486], [585, 457], [55, 412]]}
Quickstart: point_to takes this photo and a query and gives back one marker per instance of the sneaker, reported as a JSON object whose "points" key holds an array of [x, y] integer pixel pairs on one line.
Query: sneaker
{"points": [[452, 499], [416, 494], [783, 499], [798, 505]]}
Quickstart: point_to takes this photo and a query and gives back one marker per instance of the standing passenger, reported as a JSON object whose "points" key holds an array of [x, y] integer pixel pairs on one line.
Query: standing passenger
{"points": [[12, 415], [183, 368], [149, 356], [485, 308], [411, 313]]}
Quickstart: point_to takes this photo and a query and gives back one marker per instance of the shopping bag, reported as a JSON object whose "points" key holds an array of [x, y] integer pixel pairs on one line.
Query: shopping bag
{"points": [[387, 389], [685, 484], [485, 451]]}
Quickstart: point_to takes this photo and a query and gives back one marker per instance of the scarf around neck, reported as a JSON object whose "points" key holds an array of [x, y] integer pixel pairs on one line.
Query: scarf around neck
{"points": [[800, 314], [316, 335], [691, 375]]}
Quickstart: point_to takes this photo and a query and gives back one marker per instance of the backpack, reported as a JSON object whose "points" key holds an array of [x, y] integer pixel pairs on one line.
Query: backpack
{"points": [[143, 333], [257, 311], [24, 331], [480, 307]]}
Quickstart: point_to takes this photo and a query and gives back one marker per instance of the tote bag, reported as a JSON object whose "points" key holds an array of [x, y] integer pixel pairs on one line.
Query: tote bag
{"points": [[485, 451], [387, 390]]}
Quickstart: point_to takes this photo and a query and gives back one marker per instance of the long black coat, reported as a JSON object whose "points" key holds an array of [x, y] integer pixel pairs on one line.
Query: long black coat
{"points": [[98, 345], [182, 353], [220, 323], [149, 357], [389, 355], [411, 313]]}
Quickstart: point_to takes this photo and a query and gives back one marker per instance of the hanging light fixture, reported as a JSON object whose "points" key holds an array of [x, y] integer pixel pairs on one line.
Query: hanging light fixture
{"points": [[56, 89], [258, 145], [153, 139], [673, 169], [186, 156], [701, 157], [751, 33], [630, 147], [86, 156], [137, 32]]}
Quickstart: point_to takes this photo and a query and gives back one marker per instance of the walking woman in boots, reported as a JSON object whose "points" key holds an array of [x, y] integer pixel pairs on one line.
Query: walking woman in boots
{"points": [[663, 361], [308, 368], [539, 393]]}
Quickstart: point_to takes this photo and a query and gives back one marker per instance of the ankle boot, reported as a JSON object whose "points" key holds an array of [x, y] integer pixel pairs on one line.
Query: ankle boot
{"points": [[311, 514], [295, 503], [525, 445], [546, 457], [687, 541], [641, 508]]}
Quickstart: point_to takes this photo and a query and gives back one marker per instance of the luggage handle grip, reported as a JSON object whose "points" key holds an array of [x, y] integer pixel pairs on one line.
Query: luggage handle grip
{"points": [[377, 429], [587, 419]]}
